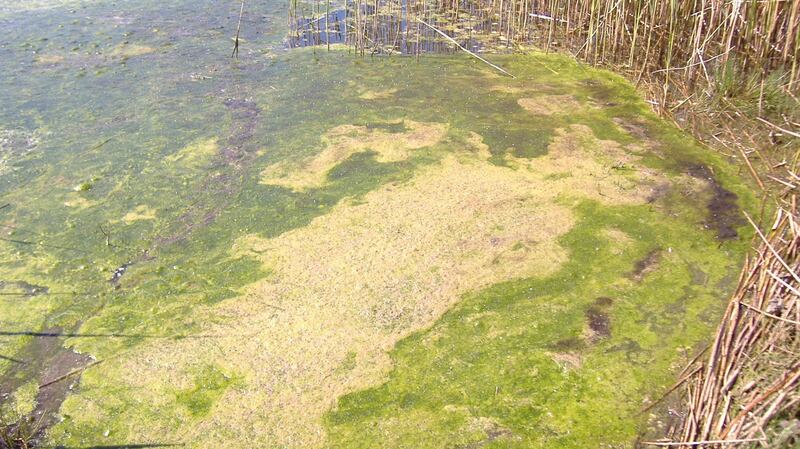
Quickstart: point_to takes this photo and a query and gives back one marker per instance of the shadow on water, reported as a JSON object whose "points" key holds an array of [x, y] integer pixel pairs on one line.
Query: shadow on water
{"points": [[11, 359]]}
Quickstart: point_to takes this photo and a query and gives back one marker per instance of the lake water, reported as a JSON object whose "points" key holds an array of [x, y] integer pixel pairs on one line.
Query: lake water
{"points": [[307, 248]]}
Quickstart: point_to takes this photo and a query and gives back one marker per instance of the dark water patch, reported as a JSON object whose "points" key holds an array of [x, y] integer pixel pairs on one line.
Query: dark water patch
{"points": [[658, 191], [529, 142], [645, 265], [678, 307], [234, 157], [699, 277], [727, 282], [244, 116], [633, 128], [665, 419], [12, 359], [603, 301], [633, 351], [568, 344], [59, 377], [23, 288], [493, 432], [723, 211], [670, 317], [54, 367], [598, 320], [600, 91]]}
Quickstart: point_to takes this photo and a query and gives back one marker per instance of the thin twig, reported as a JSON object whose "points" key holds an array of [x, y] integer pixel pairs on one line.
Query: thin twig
{"points": [[771, 248], [792, 289], [70, 374]]}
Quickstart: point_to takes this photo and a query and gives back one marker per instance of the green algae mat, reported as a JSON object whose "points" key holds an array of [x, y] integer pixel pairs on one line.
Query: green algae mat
{"points": [[309, 249]]}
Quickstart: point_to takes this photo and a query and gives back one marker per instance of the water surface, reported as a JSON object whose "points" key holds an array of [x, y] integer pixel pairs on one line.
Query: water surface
{"points": [[303, 248]]}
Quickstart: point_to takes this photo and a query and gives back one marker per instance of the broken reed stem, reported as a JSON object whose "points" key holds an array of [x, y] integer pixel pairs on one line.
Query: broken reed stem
{"points": [[769, 314]]}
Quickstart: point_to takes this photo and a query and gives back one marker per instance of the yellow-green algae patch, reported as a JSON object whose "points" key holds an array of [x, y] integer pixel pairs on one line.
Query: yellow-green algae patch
{"points": [[195, 154], [548, 104], [558, 384], [377, 94], [140, 212], [346, 288], [127, 50], [346, 140]]}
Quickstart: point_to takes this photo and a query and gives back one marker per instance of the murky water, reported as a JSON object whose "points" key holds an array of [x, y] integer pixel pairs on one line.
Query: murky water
{"points": [[234, 247]]}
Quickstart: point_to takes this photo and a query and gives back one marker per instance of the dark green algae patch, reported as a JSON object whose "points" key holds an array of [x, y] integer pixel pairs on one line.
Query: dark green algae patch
{"points": [[515, 365]]}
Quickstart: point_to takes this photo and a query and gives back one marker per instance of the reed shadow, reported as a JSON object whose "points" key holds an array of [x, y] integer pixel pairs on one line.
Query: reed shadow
{"points": [[12, 360]]}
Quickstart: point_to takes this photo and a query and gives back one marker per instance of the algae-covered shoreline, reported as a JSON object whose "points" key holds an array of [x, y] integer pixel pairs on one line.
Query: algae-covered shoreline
{"points": [[388, 253]]}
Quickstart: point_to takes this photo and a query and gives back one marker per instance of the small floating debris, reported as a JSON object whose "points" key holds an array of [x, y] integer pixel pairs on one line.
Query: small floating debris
{"points": [[119, 272]]}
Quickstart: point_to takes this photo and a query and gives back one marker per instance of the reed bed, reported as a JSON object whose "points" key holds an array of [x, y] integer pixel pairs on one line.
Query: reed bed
{"points": [[691, 40]]}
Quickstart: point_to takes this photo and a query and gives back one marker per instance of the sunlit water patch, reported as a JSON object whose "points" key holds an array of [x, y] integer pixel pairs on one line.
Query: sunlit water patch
{"points": [[303, 248]]}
